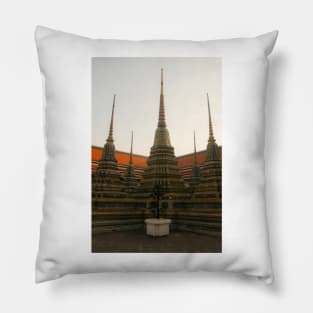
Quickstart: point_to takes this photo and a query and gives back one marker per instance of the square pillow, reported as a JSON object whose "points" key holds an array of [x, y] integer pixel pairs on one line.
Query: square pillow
{"points": [[155, 155]]}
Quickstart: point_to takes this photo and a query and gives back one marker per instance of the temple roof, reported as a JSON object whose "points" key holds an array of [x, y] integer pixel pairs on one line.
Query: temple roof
{"points": [[121, 156]]}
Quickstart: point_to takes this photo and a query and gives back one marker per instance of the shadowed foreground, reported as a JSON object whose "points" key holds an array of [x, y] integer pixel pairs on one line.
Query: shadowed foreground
{"points": [[178, 242]]}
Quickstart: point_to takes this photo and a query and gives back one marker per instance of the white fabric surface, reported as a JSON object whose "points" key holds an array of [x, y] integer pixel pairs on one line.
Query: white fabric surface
{"points": [[65, 245]]}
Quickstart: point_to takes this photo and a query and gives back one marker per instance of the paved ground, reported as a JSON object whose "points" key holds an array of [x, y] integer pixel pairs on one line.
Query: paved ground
{"points": [[140, 242]]}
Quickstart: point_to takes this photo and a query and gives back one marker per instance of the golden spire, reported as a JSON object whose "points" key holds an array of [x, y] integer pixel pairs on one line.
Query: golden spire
{"points": [[161, 81], [130, 173], [195, 149], [110, 137], [161, 137], [195, 167], [211, 135], [131, 150], [161, 122]]}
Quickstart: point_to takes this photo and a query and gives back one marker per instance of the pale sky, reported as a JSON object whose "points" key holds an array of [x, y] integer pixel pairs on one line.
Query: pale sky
{"points": [[136, 83]]}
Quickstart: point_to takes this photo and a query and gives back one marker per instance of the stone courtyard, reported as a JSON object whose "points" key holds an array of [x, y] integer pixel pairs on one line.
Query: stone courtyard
{"points": [[176, 242]]}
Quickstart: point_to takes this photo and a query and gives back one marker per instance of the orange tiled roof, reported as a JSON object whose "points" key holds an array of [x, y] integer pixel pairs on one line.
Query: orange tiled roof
{"points": [[185, 162], [188, 159], [121, 157]]}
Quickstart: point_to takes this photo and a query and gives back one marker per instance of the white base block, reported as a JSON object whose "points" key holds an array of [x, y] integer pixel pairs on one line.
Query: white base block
{"points": [[158, 226]]}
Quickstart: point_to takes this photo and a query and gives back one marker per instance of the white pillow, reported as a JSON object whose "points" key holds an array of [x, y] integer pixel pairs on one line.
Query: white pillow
{"points": [[66, 63]]}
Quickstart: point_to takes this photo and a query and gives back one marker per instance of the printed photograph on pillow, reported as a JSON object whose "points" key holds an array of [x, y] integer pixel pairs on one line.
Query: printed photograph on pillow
{"points": [[156, 155]]}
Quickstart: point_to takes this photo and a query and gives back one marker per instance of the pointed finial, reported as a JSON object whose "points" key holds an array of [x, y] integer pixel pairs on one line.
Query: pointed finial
{"points": [[131, 150], [110, 137], [161, 81], [130, 173], [161, 122], [211, 135], [195, 148]]}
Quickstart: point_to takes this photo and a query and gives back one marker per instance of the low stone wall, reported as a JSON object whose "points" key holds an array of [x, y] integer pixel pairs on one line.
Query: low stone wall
{"points": [[201, 222]]}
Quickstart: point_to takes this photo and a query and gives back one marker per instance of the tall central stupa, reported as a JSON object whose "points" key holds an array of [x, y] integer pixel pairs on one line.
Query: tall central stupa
{"points": [[162, 169]]}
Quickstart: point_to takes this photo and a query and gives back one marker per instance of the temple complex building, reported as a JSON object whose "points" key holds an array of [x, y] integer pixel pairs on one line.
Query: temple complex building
{"points": [[162, 168], [210, 183], [125, 185], [107, 179]]}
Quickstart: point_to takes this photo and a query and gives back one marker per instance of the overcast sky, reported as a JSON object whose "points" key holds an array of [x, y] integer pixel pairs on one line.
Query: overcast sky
{"points": [[136, 83]]}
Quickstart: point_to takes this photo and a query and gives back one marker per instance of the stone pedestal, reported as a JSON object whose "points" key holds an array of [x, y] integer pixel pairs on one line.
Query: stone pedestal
{"points": [[158, 226]]}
